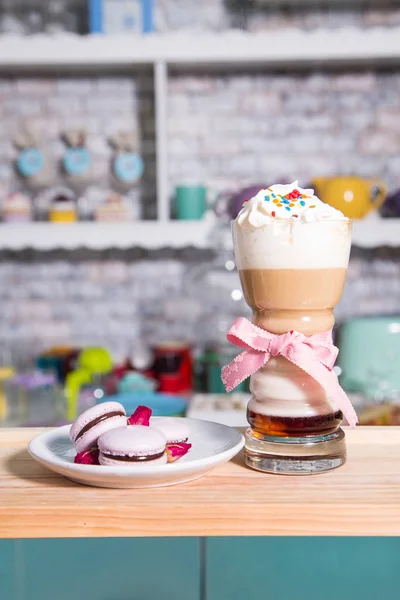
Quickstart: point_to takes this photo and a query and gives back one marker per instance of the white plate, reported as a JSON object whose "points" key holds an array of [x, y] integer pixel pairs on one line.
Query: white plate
{"points": [[212, 444]]}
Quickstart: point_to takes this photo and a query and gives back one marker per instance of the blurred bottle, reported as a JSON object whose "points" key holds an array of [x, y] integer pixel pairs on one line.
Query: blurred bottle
{"points": [[6, 373], [86, 385], [33, 399], [216, 285]]}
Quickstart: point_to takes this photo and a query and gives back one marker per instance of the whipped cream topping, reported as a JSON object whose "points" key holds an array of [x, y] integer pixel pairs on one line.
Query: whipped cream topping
{"points": [[285, 203]]}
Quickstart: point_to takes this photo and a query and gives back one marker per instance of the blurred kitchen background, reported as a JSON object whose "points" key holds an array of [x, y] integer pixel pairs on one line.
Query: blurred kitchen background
{"points": [[130, 133]]}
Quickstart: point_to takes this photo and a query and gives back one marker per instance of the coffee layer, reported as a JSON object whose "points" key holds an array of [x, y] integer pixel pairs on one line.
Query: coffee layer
{"points": [[298, 299]]}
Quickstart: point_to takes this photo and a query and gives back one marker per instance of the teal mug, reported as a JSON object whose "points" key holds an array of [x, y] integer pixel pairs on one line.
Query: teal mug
{"points": [[369, 356], [190, 202]]}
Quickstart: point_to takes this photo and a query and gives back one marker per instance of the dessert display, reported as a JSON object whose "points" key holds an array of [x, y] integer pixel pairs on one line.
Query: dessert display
{"points": [[114, 208], [292, 252], [17, 208], [103, 435]]}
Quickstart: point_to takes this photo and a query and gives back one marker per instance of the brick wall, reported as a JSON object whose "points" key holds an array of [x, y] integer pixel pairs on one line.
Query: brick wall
{"points": [[118, 301], [223, 130], [231, 130]]}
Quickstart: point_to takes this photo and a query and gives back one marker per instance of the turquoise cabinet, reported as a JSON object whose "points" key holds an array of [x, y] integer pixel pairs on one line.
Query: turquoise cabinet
{"points": [[303, 568], [100, 569], [238, 568], [8, 571]]}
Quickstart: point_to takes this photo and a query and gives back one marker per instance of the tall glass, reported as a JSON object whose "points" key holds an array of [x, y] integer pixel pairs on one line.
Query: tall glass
{"points": [[292, 275]]}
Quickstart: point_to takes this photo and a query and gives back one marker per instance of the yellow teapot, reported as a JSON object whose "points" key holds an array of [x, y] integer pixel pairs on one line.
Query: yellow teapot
{"points": [[354, 196]]}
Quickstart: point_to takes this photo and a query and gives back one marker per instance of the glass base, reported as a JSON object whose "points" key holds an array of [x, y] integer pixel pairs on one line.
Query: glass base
{"points": [[295, 455]]}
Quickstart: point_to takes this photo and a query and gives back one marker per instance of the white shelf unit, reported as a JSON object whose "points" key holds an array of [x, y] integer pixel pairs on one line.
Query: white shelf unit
{"points": [[165, 52], [368, 233], [234, 48], [152, 235]]}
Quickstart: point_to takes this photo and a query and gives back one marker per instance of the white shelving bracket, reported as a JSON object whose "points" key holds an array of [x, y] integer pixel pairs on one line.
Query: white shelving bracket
{"points": [[161, 98]]}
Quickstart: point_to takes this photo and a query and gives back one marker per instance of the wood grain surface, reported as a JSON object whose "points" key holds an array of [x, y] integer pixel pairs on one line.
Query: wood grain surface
{"points": [[360, 498]]}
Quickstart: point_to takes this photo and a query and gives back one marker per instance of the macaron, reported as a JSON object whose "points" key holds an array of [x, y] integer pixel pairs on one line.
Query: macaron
{"points": [[87, 428], [174, 429], [133, 445]]}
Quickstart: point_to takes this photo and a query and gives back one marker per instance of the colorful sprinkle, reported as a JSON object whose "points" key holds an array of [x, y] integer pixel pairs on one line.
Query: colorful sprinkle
{"points": [[273, 195], [275, 201], [296, 216], [285, 201], [312, 206], [291, 205], [287, 208], [273, 213], [279, 204], [302, 203], [267, 198]]}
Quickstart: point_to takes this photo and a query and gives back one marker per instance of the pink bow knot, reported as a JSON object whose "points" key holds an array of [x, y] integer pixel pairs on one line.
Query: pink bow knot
{"points": [[281, 344], [316, 355]]}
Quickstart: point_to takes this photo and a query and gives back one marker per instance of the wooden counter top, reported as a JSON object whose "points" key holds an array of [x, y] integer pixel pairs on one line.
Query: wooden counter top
{"points": [[360, 498]]}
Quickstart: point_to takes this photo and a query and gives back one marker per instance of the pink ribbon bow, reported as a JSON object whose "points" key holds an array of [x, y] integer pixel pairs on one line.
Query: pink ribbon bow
{"points": [[316, 355]]}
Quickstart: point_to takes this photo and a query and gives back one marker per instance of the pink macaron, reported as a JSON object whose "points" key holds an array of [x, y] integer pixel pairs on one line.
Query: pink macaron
{"points": [[174, 429], [89, 426], [132, 446]]}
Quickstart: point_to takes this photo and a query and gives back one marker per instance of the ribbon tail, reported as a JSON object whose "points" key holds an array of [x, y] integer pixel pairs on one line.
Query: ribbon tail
{"points": [[328, 380], [241, 367], [345, 406]]}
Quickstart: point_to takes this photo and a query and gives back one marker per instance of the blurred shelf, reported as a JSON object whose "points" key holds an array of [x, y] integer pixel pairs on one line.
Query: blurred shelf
{"points": [[290, 47], [153, 235], [100, 236], [373, 232]]}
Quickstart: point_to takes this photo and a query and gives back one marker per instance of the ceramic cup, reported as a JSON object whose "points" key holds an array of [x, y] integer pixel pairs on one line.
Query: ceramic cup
{"points": [[190, 202]]}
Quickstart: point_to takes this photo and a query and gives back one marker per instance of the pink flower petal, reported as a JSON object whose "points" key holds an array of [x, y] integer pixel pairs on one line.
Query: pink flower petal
{"points": [[176, 451], [88, 457], [141, 416]]}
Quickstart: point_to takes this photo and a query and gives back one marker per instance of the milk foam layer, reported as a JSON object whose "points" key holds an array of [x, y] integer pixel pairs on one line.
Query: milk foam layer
{"points": [[284, 390], [310, 238]]}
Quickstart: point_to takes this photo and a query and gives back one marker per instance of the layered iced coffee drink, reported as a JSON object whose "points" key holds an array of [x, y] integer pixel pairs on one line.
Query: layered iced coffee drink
{"points": [[292, 252]]}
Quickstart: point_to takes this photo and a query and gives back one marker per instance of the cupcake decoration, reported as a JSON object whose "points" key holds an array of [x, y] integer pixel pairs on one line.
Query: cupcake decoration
{"points": [[17, 208], [62, 207], [114, 208]]}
